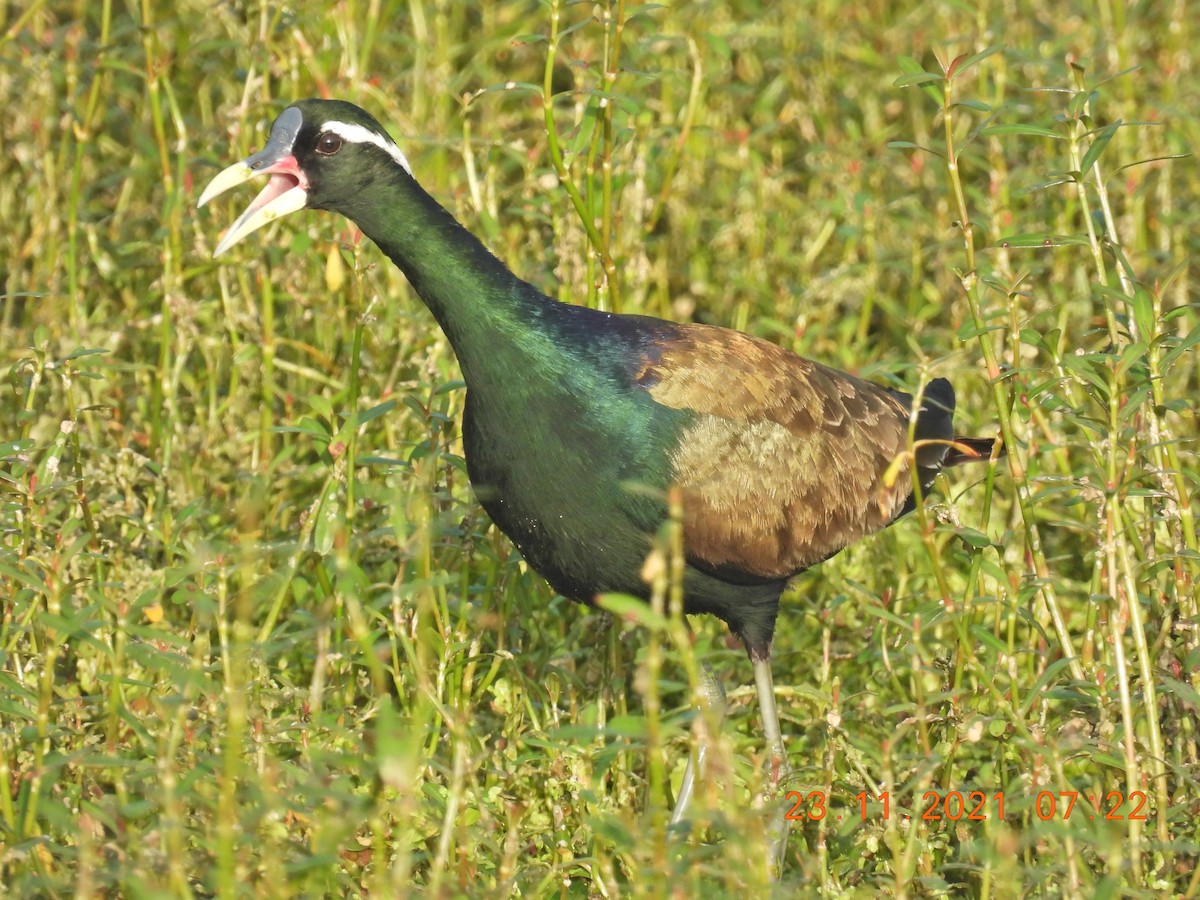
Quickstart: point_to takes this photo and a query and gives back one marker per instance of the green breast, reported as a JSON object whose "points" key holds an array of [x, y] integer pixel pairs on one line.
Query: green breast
{"points": [[574, 470]]}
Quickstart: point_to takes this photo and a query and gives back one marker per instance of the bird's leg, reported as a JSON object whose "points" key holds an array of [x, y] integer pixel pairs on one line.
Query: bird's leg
{"points": [[712, 697], [778, 770]]}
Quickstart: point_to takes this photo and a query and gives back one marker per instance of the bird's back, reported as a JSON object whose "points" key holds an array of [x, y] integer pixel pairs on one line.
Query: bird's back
{"points": [[784, 461], [781, 461]]}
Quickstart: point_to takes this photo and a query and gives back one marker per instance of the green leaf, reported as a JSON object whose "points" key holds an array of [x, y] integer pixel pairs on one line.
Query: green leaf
{"points": [[18, 574], [1084, 366], [508, 86], [84, 351], [1093, 152], [1041, 186], [1034, 339], [978, 129], [416, 406], [876, 610], [1185, 692], [1040, 239], [1131, 356], [1168, 359], [16, 711], [917, 78], [718, 45], [1143, 312], [929, 82], [988, 639], [969, 330], [620, 101], [570, 29], [1034, 693], [306, 425], [633, 609], [1134, 401], [973, 538], [971, 61], [909, 145], [1114, 77], [626, 726], [20, 445], [376, 411], [329, 519], [322, 406], [1142, 162], [382, 461], [1077, 105], [1023, 131]]}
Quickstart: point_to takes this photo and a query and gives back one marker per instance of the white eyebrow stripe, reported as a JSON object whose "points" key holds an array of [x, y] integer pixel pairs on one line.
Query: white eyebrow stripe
{"points": [[357, 134]]}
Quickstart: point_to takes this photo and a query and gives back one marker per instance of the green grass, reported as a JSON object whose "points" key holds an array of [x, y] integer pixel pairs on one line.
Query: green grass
{"points": [[256, 638]]}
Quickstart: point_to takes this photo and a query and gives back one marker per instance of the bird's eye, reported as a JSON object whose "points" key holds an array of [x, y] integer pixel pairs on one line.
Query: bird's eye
{"points": [[329, 143]]}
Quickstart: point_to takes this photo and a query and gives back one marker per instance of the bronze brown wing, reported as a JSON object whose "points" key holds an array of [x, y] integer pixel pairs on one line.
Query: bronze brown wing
{"points": [[785, 460]]}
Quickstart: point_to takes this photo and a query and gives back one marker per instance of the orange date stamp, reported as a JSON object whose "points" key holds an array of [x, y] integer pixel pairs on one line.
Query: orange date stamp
{"points": [[969, 806]]}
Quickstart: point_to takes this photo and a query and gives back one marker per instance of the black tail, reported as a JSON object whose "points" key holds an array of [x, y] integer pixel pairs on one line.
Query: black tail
{"points": [[972, 449]]}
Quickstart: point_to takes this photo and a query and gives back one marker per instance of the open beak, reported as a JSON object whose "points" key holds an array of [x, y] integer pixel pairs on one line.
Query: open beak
{"points": [[285, 192]]}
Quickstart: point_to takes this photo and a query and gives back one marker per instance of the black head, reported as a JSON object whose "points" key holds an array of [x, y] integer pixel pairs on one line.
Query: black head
{"points": [[321, 154]]}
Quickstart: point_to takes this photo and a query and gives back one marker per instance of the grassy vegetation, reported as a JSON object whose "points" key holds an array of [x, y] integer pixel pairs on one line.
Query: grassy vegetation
{"points": [[256, 639]]}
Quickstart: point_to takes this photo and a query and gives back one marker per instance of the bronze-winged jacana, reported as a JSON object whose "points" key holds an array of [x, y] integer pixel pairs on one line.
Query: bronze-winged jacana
{"points": [[577, 421]]}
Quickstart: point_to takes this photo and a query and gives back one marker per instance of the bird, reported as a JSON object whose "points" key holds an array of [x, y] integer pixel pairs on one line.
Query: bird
{"points": [[578, 422]]}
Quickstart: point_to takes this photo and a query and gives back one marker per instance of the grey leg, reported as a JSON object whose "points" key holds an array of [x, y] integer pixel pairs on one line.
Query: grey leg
{"points": [[777, 772], [712, 695]]}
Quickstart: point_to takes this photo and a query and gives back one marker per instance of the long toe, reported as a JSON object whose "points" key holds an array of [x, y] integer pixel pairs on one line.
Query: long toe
{"points": [[712, 698], [778, 769]]}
